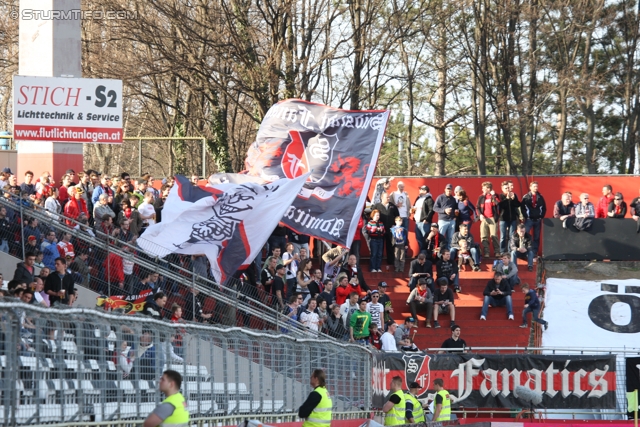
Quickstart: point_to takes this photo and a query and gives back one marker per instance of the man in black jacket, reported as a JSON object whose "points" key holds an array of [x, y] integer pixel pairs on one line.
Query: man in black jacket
{"points": [[446, 206], [59, 284], [193, 308], [388, 213], [509, 213], [353, 270], [534, 208], [521, 246], [423, 215], [421, 268], [155, 308], [25, 270], [497, 293]]}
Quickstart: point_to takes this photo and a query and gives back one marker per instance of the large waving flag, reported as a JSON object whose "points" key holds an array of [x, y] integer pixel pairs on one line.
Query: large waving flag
{"points": [[228, 222], [338, 147]]}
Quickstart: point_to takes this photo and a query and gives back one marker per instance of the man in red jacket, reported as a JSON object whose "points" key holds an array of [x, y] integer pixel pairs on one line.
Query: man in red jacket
{"points": [[603, 203], [114, 273], [76, 207]]}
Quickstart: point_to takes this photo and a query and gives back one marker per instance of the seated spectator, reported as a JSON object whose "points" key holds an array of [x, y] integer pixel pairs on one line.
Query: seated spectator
{"points": [[443, 302], [387, 340], [65, 248], [335, 324], [509, 270], [39, 295], [101, 209], [564, 209], [155, 307], [445, 268], [465, 258], [472, 248], [635, 212], [376, 309], [25, 271], [348, 308], [59, 285], [403, 332], [603, 204], [76, 207], [531, 305], [585, 212], [310, 318], [434, 243], [421, 298], [497, 293], [618, 207], [421, 267], [521, 246], [410, 347], [455, 344]]}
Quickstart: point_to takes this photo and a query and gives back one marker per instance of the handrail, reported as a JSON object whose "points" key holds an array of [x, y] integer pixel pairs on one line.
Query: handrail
{"points": [[215, 291], [582, 350]]}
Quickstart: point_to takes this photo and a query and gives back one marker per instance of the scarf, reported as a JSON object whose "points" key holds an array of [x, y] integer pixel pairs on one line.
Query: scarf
{"points": [[127, 213]]}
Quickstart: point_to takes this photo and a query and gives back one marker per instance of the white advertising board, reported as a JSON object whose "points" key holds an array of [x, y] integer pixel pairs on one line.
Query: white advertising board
{"points": [[61, 109], [592, 314]]}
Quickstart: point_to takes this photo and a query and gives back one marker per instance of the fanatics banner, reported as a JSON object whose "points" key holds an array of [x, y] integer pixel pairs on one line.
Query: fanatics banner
{"points": [[338, 147], [488, 381], [227, 222]]}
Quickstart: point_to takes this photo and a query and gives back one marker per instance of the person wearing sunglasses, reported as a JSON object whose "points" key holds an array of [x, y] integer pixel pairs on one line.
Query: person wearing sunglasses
{"points": [[618, 207]]}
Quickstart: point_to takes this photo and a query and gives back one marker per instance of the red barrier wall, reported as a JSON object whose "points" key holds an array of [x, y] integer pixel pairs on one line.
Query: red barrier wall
{"points": [[551, 188]]}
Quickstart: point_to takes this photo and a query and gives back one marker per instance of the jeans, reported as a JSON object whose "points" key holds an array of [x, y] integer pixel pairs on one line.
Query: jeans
{"points": [[376, 253], [537, 226], [447, 228], [513, 281], [422, 230], [405, 223], [475, 254], [527, 255], [507, 228], [4, 246], [535, 312], [489, 300]]}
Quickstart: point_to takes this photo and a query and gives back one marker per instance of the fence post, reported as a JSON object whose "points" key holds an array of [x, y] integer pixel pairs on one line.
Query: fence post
{"points": [[139, 157], [21, 226], [204, 158]]}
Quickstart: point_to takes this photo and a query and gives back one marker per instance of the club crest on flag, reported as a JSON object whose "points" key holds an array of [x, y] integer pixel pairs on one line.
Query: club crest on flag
{"points": [[309, 152], [416, 369]]}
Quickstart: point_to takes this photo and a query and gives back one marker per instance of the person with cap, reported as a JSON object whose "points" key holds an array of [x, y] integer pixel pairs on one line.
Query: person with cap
{"points": [[376, 309], [401, 199], [173, 409], [455, 343], [4, 177], [442, 402], [434, 243], [403, 332], [359, 323], [422, 214], [316, 410], [443, 302], [385, 301], [395, 407], [76, 207], [413, 407], [446, 206], [421, 298]]}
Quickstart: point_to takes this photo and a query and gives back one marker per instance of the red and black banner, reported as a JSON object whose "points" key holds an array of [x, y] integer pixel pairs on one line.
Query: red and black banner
{"points": [[130, 304], [488, 381]]}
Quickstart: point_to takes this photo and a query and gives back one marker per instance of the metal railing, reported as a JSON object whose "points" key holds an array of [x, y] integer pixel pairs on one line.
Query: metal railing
{"points": [[84, 365], [237, 303]]}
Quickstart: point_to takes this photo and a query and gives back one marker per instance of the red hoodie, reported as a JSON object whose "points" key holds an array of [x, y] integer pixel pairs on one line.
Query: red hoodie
{"points": [[603, 206], [74, 208], [114, 272]]}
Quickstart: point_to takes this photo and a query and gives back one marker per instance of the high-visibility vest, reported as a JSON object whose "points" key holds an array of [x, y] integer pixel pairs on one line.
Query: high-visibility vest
{"points": [[321, 414], [180, 416], [445, 412], [418, 412], [396, 416]]}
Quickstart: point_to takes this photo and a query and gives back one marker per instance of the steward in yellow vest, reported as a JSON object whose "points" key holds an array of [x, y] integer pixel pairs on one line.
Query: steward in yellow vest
{"points": [[442, 402], [316, 410], [414, 411], [172, 412], [395, 408]]}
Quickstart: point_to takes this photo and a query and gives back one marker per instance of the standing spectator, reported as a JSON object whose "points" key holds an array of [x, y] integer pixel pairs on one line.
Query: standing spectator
{"points": [[102, 208], [64, 189], [87, 191], [333, 260], [400, 241], [509, 270], [374, 336], [448, 269], [52, 205], [39, 295], [159, 203], [349, 307], [127, 268], [531, 305], [327, 294], [423, 214], [7, 231], [65, 248], [521, 246], [421, 268], [617, 208], [28, 186], [31, 229], [335, 324], [194, 306], [564, 209], [401, 199], [376, 231], [80, 266], [387, 340], [290, 261], [467, 211], [304, 278], [534, 209], [455, 344], [139, 192], [447, 208], [76, 208], [310, 318], [268, 274], [114, 273], [25, 271], [443, 302], [421, 298], [131, 216], [497, 293], [385, 301], [71, 174], [299, 241], [388, 213], [353, 270], [359, 324], [103, 188], [434, 243], [603, 204], [342, 290], [509, 212], [585, 213], [382, 186], [4, 177], [123, 192], [151, 185], [277, 288], [278, 239], [357, 239], [59, 284], [44, 185], [315, 286], [376, 309], [50, 250], [464, 235]]}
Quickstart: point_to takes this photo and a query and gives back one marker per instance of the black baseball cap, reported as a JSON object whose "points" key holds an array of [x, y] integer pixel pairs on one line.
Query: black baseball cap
{"points": [[410, 319], [279, 266], [414, 385], [382, 285]]}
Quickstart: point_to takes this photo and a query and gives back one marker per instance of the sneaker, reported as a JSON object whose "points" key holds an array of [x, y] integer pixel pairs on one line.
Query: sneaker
{"points": [[524, 325], [453, 323], [511, 317], [428, 324], [487, 255], [546, 326], [436, 324], [483, 318], [379, 271], [530, 268], [476, 268], [457, 288]]}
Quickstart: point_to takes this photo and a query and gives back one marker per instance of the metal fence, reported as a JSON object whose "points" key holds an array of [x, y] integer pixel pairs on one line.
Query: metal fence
{"points": [[83, 365]]}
